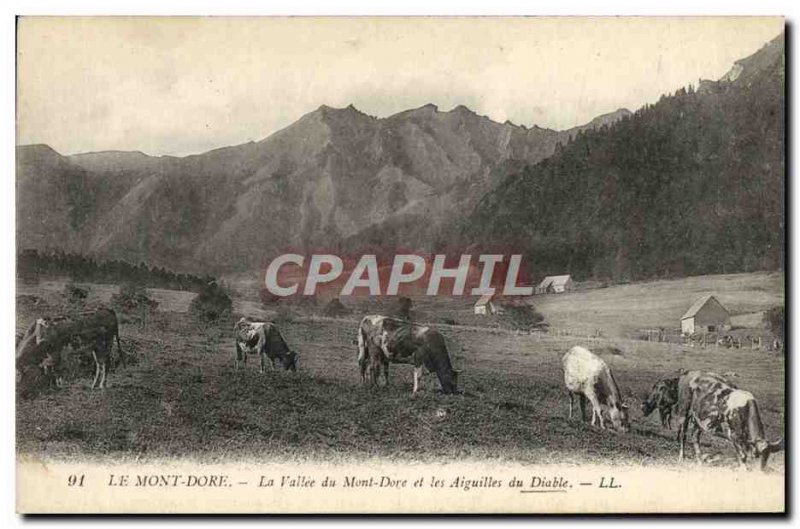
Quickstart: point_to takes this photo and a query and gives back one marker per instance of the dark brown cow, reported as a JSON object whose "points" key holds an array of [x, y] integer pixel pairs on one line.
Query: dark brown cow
{"points": [[664, 398], [41, 346], [383, 340], [265, 340], [711, 404]]}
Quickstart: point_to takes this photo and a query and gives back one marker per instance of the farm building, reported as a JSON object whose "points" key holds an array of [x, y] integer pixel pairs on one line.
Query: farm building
{"points": [[486, 305], [556, 285], [706, 315]]}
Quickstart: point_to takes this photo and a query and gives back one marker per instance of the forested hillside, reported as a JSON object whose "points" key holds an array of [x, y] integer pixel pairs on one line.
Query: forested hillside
{"points": [[693, 184]]}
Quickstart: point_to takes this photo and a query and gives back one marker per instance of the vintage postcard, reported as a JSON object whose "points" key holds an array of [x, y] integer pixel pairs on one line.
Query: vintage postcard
{"points": [[400, 265]]}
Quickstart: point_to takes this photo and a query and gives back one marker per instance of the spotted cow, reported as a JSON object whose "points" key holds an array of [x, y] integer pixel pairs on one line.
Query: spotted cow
{"points": [[383, 340], [265, 340], [711, 404], [40, 348], [587, 376]]}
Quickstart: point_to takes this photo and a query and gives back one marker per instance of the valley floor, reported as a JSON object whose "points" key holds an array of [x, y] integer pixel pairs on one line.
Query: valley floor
{"points": [[184, 399]]}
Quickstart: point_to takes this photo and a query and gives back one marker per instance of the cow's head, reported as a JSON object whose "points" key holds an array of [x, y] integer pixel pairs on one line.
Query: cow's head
{"points": [[650, 402], [42, 329], [762, 449], [290, 361], [619, 417], [449, 380], [50, 370]]}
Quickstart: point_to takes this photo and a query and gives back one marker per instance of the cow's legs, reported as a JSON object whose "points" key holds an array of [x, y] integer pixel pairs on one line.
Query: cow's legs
{"points": [[243, 357], [362, 366], [582, 405], [571, 403], [683, 423], [363, 357], [417, 377], [100, 370], [374, 369], [741, 455], [696, 443], [96, 370], [386, 373], [681, 437], [238, 357], [597, 412]]}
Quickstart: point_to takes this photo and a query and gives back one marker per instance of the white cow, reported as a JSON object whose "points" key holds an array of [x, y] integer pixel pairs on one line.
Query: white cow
{"points": [[587, 376]]}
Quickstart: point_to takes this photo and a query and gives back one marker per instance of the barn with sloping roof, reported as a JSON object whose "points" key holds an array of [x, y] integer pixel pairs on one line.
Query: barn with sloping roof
{"points": [[706, 314], [556, 285]]}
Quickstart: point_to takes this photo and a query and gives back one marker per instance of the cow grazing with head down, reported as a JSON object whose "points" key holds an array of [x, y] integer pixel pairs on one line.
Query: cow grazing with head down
{"points": [[587, 376], [39, 349], [265, 340], [711, 404], [383, 340], [664, 398]]}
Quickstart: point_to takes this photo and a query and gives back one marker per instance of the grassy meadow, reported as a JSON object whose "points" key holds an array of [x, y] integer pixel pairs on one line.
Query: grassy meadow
{"points": [[183, 398]]}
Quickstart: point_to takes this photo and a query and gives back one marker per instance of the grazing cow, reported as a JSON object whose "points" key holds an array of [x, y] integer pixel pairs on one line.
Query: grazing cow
{"points": [[33, 361], [265, 340], [587, 376], [41, 345], [711, 404], [664, 397], [382, 340]]}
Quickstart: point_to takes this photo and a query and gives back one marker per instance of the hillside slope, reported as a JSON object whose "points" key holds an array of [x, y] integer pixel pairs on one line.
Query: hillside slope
{"points": [[690, 185]]}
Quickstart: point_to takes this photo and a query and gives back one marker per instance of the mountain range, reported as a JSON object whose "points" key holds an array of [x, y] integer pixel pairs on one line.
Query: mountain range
{"points": [[690, 184], [336, 179]]}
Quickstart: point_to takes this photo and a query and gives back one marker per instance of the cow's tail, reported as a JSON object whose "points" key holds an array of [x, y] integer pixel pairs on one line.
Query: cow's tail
{"points": [[122, 355], [362, 352], [362, 345]]}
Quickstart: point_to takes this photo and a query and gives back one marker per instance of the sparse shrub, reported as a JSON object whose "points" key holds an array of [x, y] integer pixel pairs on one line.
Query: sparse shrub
{"points": [[335, 308], [211, 304], [134, 302], [304, 305], [29, 276], [608, 350], [403, 308], [76, 296], [522, 317], [30, 302], [268, 298], [284, 314]]}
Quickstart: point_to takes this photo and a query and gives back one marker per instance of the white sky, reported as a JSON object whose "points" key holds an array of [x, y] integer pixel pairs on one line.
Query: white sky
{"points": [[187, 85]]}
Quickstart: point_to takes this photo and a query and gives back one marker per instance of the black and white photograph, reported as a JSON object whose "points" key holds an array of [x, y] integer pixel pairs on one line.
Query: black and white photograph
{"points": [[399, 265]]}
